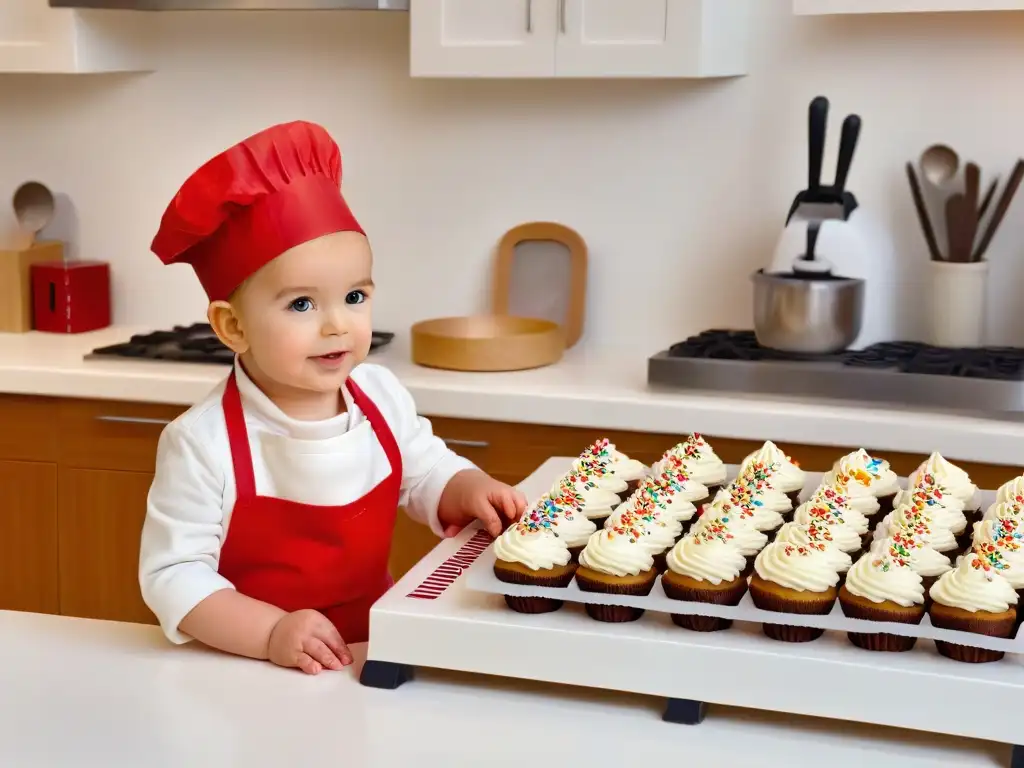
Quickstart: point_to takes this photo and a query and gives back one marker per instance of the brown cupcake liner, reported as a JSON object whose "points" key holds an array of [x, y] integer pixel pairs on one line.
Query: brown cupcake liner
{"points": [[574, 552], [794, 496], [661, 562], [885, 504], [615, 613], [879, 641], [748, 569], [769, 601], [631, 487], [711, 596], [524, 604], [990, 625]]}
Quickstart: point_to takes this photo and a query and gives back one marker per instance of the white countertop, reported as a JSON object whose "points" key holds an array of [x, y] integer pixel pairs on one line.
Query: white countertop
{"points": [[80, 693], [584, 390]]}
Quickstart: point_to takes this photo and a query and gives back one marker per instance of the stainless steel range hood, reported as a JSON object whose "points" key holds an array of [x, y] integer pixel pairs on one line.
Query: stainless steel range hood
{"points": [[235, 5]]}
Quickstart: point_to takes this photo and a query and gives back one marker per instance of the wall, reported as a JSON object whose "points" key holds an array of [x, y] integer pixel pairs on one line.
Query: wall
{"points": [[678, 187]]}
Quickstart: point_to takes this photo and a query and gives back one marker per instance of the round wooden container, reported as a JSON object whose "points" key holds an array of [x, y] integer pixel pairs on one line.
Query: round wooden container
{"points": [[487, 343]]}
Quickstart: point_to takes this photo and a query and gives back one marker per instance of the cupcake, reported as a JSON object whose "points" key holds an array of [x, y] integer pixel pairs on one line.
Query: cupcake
{"points": [[938, 471], [595, 462], [1003, 510], [1011, 493], [847, 535], [623, 467], [856, 495], [917, 520], [792, 579], [829, 497], [531, 552], [696, 457], [883, 587], [806, 535], [745, 537], [567, 520], [673, 493], [925, 561], [974, 597], [1002, 541], [786, 474], [661, 532], [874, 474], [755, 489], [582, 492], [616, 561], [942, 506], [705, 567]]}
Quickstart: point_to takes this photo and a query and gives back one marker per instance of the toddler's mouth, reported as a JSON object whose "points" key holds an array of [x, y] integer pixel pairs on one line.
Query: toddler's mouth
{"points": [[331, 356]]}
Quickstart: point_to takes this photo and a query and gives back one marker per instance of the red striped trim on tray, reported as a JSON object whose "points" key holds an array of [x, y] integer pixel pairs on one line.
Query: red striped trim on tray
{"points": [[445, 575]]}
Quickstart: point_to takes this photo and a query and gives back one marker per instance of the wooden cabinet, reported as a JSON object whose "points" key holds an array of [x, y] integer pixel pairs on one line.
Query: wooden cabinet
{"points": [[37, 38], [75, 474], [579, 38]]}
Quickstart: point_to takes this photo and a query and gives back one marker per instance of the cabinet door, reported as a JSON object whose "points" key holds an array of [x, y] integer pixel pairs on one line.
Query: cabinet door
{"points": [[101, 514], [651, 38], [489, 38], [28, 537]]}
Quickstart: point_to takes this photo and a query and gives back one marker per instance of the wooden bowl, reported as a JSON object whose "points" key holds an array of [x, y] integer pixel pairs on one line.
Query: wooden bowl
{"points": [[487, 343]]}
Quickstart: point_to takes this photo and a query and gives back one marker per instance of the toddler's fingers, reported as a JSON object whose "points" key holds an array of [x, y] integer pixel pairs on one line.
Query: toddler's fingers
{"points": [[507, 501], [333, 640], [489, 517], [317, 649], [452, 530], [308, 665]]}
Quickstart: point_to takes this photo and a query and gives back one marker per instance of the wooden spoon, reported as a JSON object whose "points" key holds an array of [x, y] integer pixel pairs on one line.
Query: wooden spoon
{"points": [[1001, 208], [33, 208], [922, 214]]}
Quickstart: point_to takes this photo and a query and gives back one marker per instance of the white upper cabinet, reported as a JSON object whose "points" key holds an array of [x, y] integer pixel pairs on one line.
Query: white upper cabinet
{"points": [[37, 38], [579, 38]]}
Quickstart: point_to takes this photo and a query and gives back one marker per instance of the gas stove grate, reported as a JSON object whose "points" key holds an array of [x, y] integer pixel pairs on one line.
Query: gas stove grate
{"points": [[994, 363]]}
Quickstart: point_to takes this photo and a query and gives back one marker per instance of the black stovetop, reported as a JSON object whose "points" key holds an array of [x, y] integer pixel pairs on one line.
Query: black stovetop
{"points": [[194, 343], [1005, 363]]}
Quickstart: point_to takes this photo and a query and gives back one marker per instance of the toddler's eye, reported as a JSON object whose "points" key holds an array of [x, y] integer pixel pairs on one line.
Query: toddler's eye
{"points": [[355, 297], [301, 304]]}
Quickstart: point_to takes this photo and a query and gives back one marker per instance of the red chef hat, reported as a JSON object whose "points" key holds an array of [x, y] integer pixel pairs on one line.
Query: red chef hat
{"points": [[248, 205]]}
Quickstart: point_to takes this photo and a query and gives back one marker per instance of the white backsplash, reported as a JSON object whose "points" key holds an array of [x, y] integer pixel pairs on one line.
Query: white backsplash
{"points": [[679, 188]]}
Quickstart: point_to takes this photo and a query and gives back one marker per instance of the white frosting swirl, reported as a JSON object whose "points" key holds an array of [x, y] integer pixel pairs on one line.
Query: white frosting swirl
{"points": [[624, 467], [1012, 493], [879, 578], [863, 469], [919, 523], [567, 521], [695, 456], [974, 586], [1002, 543], [845, 535], [828, 496], [583, 493], [735, 500], [942, 506], [709, 555], [1002, 511], [660, 532], [805, 569], [786, 476], [537, 548], [746, 537], [617, 552], [921, 557], [946, 474], [858, 497], [674, 498], [806, 535]]}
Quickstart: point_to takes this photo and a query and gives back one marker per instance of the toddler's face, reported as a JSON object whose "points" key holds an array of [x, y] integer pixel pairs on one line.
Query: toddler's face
{"points": [[306, 314]]}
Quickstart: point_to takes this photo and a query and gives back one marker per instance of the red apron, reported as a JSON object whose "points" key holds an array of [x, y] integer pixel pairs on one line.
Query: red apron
{"points": [[331, 559]]}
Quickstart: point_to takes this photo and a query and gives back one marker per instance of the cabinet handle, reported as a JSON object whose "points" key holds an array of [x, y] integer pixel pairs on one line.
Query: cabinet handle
{"points": [[449, 441], [529, 16], [133, 419], [561, 15]]}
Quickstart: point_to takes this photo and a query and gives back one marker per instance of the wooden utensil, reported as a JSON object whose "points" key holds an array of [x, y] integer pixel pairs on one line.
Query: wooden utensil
{"points": [[1001, 208], [922, 214], [959, 220], [487, 343], [33, 209], [568, 302], [972, 188]]}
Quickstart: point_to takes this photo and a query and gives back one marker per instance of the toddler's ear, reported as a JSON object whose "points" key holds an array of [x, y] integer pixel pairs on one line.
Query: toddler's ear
{"points": [[227, 324]]}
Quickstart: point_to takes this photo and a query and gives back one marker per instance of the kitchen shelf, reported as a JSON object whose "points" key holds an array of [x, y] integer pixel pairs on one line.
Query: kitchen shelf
{"points": [[849, 7]]}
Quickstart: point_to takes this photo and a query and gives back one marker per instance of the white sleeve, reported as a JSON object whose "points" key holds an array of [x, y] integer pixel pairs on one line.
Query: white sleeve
{"points": [[427, 463], [182, 533]]}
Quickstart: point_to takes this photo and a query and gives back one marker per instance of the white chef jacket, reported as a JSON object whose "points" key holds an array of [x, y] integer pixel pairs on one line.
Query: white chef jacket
{"points": [[330, 462]]}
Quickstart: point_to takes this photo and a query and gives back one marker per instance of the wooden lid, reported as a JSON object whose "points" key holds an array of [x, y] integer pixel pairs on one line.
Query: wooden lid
{"points": [[487, 343]]}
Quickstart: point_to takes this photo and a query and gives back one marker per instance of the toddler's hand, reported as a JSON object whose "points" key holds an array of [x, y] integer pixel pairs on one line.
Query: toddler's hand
{"points": [[474, 495], [306, 639]]}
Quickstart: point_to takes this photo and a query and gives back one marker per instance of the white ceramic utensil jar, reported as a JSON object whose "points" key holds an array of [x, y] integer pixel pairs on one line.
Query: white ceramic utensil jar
{"points": [[958, 310]]}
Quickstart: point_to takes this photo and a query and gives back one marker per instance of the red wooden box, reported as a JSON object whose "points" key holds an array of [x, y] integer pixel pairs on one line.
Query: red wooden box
{"points": [[70, 296]]}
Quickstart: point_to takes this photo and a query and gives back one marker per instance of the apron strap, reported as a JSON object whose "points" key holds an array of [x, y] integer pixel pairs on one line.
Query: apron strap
{"points": [[238, 440], [385, 436]]}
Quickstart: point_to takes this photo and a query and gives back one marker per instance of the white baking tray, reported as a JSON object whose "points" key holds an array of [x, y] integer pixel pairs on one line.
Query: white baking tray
{"points": [[432, 618]]}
